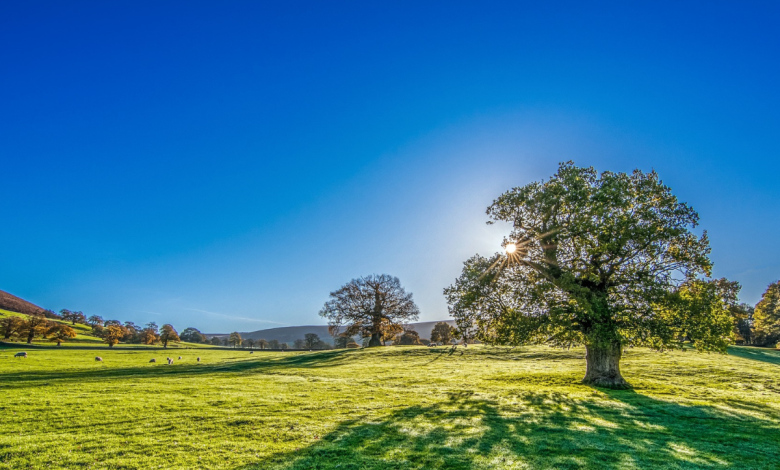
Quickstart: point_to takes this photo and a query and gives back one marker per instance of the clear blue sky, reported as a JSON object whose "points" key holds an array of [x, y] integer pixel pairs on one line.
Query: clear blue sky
{"points": [[225, 165]]}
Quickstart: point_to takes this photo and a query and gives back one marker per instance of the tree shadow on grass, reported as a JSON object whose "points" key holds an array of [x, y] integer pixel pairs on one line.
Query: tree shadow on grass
{"points": [[256, 364], [771, 356], [543, 430]]}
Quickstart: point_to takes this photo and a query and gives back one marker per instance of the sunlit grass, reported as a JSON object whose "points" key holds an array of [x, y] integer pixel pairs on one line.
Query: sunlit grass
{"points": [[386, 408]]}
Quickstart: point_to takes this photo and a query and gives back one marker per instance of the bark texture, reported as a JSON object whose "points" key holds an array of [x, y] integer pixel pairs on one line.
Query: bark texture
{"points": [[603, 366], [375, 340]]}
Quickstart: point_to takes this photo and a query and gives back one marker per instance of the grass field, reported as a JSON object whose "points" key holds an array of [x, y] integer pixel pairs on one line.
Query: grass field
{"points": [[393, 408]]}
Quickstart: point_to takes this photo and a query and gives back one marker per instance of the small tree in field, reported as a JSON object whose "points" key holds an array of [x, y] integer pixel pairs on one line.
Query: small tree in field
{"points": [[605, 260], [35, 325], [262, 343], [58, 333], [408, 338], [274, 344], [299, 344], [11, 326], [216, 341], [311, 340], [442, 333], [234, 339], [113, 334], [168, 334], [150, 335], [192, 335], [95, 320], [370, 306]]}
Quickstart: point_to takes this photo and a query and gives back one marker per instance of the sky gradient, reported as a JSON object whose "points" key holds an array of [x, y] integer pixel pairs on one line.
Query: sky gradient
{"points": [[225, 165]]}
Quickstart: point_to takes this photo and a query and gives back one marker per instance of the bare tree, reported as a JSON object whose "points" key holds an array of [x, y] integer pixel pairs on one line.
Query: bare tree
{"points": [[371, 306]]}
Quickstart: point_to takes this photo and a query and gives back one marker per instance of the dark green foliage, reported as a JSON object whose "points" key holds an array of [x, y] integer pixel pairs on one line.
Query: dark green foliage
{"points": [[606, 260], [766, 317]]}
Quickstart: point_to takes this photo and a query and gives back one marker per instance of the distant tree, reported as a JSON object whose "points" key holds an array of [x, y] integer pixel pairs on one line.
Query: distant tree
{"points": [[409, 338], [66, 314], [369, 306], [442, 333], [192, 335], [425, 342], [605, 260], [11, 326], [216, 341], [274, 344], [78, 317], [744, 323], [168, 334], [341, 341], [112, 334], [59, 332], [225, 341], [284, 346], [150, 333], [766, 317], [35, 325], [98, 330], [248, 343], [261, 343], [234, 339], [299, 344], [112, 322], [51, 315], [311, 340], [133, 332], [95, 320]]}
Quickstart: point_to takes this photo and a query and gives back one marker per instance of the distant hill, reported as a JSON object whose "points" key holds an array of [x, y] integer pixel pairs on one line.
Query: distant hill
{"points": [[288, 334], [15, 304]]}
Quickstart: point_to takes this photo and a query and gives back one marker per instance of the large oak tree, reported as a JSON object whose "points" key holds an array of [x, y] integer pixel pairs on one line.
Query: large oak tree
{"points": [[373, 306], [606, 260]]}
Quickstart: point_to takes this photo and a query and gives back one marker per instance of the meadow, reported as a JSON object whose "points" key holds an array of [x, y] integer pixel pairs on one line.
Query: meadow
{"points": [[386, 408]]}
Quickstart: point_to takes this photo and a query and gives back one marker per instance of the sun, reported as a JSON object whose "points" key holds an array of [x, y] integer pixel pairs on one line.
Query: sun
{"points": [[510, 248]]}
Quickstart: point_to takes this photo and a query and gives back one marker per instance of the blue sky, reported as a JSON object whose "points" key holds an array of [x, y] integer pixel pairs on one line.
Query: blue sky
{"points": [[225, 165]]}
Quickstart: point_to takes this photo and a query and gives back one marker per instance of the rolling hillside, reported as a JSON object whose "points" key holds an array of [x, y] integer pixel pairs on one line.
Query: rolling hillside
{"points": [[15, 304], [288, 334]]}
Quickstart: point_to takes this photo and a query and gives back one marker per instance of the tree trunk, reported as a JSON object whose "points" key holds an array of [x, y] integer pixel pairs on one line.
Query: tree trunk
{"points": [[375, 341], [603, 366]]}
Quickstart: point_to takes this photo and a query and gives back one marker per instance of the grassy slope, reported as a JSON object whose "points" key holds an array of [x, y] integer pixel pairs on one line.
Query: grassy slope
{"points": [[387, 408], [84, 337]]}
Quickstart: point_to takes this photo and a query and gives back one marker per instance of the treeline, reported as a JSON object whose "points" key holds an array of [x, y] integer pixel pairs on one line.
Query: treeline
{"points": [[760, 325], [309, 341]]}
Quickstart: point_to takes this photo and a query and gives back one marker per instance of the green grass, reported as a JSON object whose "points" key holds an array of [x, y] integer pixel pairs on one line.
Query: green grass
{"points": [[394, 408]]}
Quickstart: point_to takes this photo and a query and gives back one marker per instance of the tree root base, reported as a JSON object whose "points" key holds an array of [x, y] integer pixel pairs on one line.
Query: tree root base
{"points": [[608, 382]]}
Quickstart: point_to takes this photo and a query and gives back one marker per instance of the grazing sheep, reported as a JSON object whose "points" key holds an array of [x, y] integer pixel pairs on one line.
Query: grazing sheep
{"points": [[21, 354], [98, 359], [170, 361], [198, 359], [251, 352], [152, 360], [180, 358]]}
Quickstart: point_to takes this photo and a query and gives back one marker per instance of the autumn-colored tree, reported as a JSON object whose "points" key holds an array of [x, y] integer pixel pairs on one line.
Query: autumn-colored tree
{"points": [[150, 335], [59, 332], [234, 339], [11, 326], [167, 334], [35, 325], [112, 334], [766, 317], [261, 343], [442, 333], [408, 338]]}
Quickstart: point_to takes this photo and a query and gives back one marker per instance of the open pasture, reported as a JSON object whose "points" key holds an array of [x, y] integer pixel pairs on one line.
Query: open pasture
{"points": [[397, 408]]}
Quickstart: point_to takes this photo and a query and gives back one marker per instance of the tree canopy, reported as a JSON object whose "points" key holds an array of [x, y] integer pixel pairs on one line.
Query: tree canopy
{"points": [[766, 317], [606, 260], [442, 333], [373, 306]]}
